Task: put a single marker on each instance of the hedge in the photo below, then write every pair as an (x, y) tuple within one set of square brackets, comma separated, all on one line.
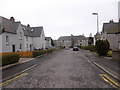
[(41, 52), (91, 48), (9, 59)]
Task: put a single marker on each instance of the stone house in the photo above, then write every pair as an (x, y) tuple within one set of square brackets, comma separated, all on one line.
[(17, 37), (68, 41)]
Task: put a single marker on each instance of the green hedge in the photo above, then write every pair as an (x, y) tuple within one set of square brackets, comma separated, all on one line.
[(91, 48), (41, 52), (9, 59), (102, 47)]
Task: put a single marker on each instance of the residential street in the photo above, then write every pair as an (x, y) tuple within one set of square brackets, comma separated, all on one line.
[(62, 69)]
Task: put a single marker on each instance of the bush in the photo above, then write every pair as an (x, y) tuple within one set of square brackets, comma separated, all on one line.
[(109, 54), (102, 47), (9, 59), (91, 48), (41, 52), (38, 53)]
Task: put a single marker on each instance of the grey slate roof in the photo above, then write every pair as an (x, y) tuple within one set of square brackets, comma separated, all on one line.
[(65, 38), (72, 37), (8, 25), (32, 31), (111, 28), (11, 27), (48, 38)]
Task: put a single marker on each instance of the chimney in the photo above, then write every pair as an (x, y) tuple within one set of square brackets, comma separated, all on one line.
[(111, 21), (12, 19), (28, 25)]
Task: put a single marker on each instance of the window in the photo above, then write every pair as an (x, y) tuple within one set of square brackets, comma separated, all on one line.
[(27, 46), (26, 38), (20, 36), (32, 30), (7, 39), (20, 47)]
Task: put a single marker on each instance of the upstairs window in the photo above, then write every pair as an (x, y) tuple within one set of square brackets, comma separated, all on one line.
[(26, 38), (7, 39), (20, 36)]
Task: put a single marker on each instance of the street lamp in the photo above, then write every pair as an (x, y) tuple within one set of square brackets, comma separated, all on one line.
[(97, 22)]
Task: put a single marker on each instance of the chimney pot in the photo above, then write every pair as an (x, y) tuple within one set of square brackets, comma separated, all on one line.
[(12, 19), (28, 25)]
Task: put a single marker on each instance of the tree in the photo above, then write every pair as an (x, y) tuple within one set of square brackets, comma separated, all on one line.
[(102, 47)]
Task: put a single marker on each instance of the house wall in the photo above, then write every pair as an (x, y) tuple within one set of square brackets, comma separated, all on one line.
[(113, 40), (84, 42), (1, 43), (42, 40), (28, 43), (39, 42), (48, 44), (14, 39)]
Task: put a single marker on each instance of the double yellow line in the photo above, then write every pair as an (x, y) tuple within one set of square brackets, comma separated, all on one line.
[(13, 79), (110, 81)]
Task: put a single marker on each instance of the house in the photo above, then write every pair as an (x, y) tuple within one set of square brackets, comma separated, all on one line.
[(68, 41), (111, 32), (48, 43), (11, 34), (17, 37), (34, 37)]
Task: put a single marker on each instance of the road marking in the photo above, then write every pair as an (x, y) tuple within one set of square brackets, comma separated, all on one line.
[(29, 68), (109, 80), (13, 79), (106, 70), (20, 72)]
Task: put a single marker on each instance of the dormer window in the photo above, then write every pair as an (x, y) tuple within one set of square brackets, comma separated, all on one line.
[(20, 36), (32, 30), (7, 39)]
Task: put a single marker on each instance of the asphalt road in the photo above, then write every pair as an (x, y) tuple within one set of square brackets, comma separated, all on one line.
[(63, 69)]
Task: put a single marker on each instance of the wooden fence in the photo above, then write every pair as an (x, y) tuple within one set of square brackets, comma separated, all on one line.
[(22, 54)]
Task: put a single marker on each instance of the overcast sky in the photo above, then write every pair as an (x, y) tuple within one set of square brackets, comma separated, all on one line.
[(61, 17)]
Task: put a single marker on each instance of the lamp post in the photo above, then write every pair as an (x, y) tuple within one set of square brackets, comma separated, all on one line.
[(97, 22)]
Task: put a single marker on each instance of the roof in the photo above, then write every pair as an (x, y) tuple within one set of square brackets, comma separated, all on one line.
[(80, 37), (8, 26), (32, 31), (111, 28), (48, 38), (65, 38)]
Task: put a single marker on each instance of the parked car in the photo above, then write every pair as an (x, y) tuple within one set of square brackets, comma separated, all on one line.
[(75, 49)]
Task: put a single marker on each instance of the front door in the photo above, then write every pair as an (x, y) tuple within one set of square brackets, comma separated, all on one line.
[(13, 48)]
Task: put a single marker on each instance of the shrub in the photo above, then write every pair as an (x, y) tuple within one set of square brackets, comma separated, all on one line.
[(38, 53), (109, 54), (41, 52), (91, 48), (102, 47), (9, 59)]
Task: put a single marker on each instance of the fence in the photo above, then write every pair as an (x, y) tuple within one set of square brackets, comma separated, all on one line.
[(21, 54)]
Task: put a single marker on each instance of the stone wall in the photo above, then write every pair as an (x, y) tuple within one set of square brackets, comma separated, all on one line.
[(116, 55)]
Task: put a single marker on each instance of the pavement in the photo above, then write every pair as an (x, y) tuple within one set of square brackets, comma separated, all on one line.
[(22, 60), (110, 66), (107, 64)]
